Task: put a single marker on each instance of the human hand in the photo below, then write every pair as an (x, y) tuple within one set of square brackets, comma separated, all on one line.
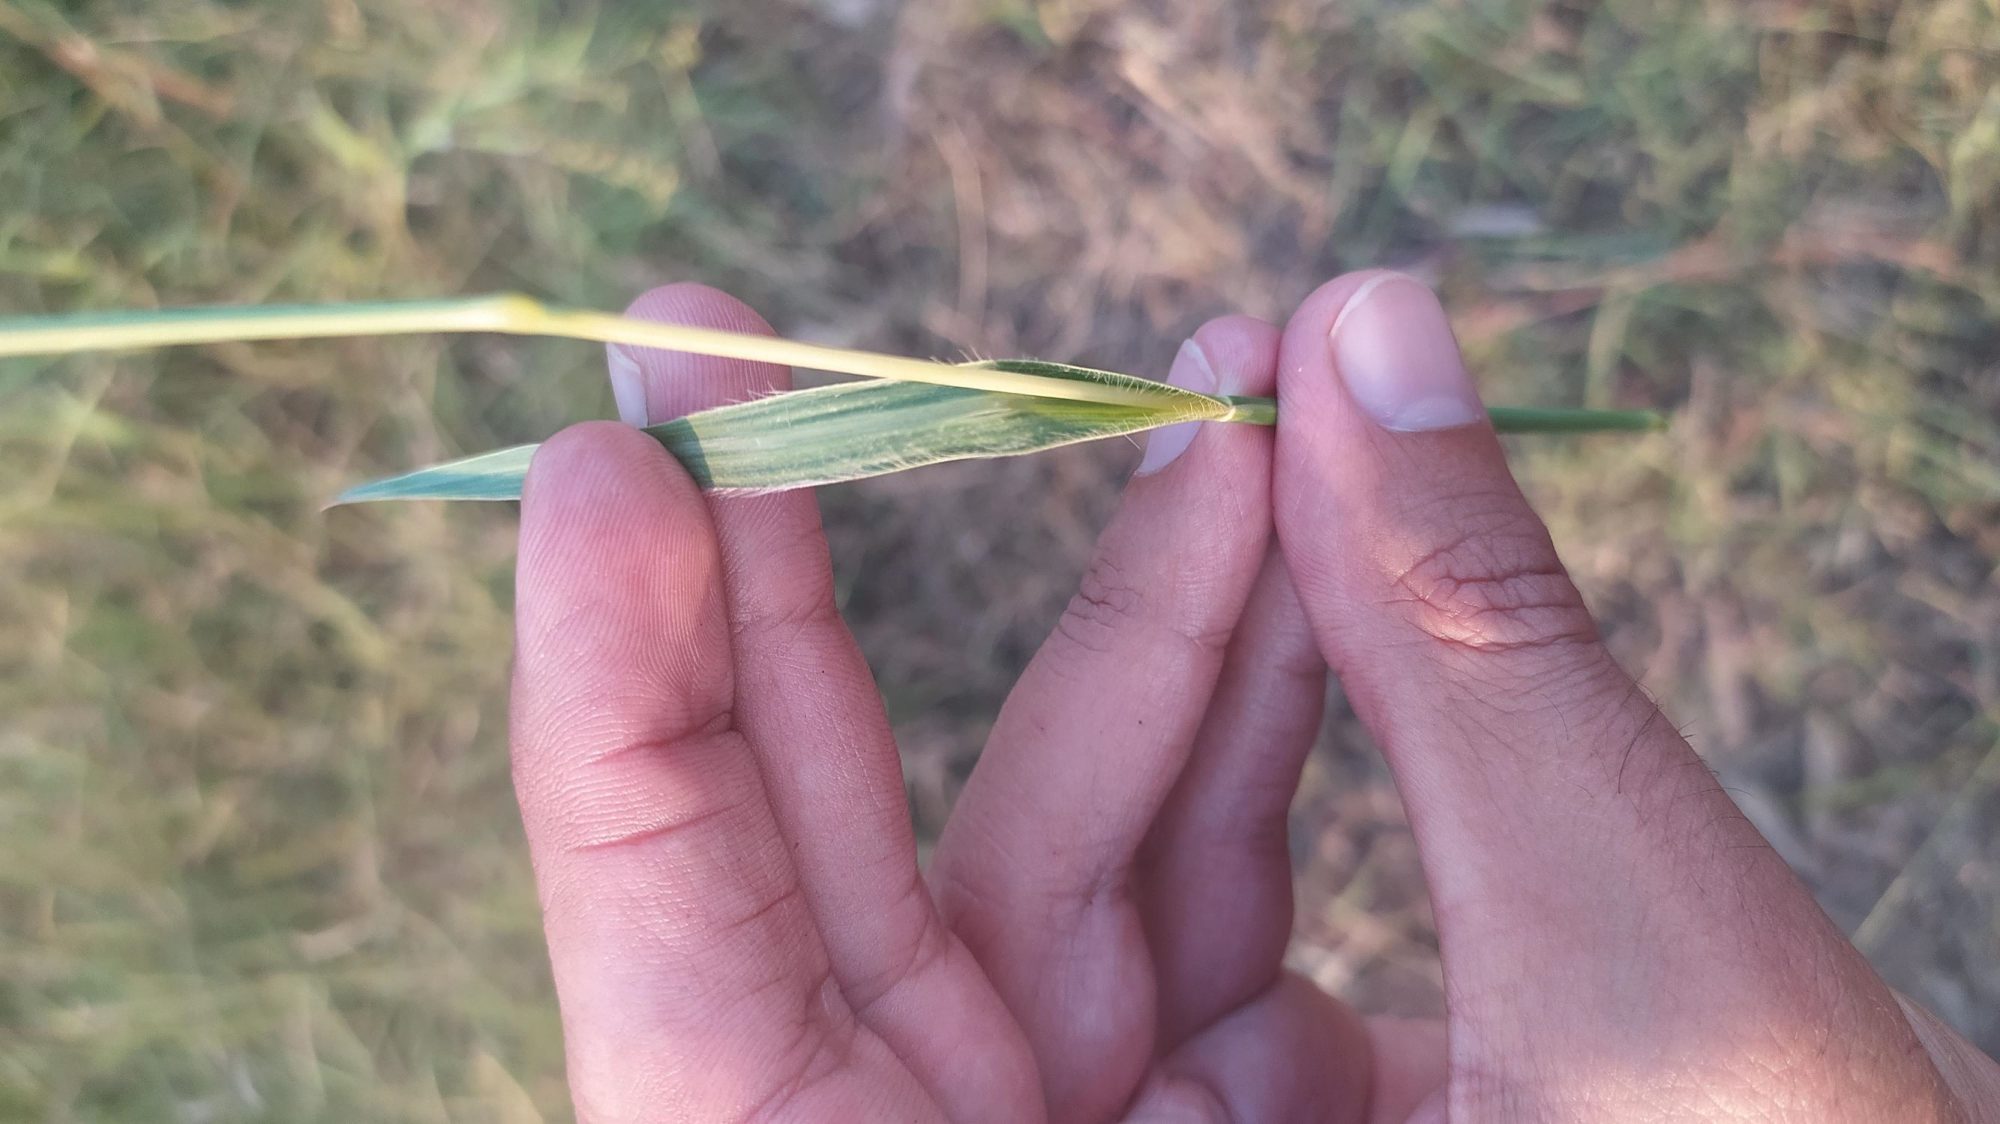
[(1619, 943), (735, 916)]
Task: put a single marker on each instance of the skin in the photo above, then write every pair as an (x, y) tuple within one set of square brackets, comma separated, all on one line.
[(740, 931)]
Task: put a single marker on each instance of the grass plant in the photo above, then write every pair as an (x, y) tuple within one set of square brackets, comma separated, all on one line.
[(917, 412)]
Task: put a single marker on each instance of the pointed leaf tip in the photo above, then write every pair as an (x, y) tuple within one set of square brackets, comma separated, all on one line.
[(488, 476)]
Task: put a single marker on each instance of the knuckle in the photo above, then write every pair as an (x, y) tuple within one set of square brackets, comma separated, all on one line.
[(1109, 608), (766, 901), (1495, 587), (784, 585), (821, 1046), (607, 799), (1105, 605), (788, 622), (929, 946)]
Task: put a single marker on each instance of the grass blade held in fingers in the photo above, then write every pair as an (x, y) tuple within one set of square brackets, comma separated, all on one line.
[(914, 412), (854, 430), (829, 434)]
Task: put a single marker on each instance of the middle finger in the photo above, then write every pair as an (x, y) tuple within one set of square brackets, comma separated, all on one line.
[(1033, 866), (1217, 880)]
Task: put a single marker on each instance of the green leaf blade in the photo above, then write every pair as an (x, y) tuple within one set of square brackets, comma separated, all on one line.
[(851, 431), (847, 431), (488, 476), (857, 430)]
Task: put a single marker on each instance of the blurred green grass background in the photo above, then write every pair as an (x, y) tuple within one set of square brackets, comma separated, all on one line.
[(261, 858)]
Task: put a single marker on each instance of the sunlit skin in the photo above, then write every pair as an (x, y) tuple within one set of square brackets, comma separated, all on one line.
[(740, 931)]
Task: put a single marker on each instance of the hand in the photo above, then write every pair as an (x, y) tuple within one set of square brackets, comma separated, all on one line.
[(735, 916)]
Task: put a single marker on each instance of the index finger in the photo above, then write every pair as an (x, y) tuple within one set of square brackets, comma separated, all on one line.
[(807, 703), (1035, 865), (691, 977)]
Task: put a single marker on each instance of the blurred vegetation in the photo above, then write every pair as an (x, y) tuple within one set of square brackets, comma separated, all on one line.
[(262, 856)]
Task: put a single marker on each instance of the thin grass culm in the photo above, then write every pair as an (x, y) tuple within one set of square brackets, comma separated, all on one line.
[(906, 414)]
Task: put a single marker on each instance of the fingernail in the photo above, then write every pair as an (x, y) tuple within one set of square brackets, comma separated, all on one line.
[(1394, 349), (628, 385), (1191, 371)]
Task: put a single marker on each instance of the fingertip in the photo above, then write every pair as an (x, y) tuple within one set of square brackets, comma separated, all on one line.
[(1305, 366), (1235, 355), (1244, 352), (1317, 313), (603, 506), (690, 302), (1375, 392), (595, 457), (652, 386)]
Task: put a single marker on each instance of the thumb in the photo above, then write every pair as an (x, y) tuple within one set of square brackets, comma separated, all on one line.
[(1603, 909), (1433, 588)]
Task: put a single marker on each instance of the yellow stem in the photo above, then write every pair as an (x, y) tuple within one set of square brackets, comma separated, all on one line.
[(606, 328), (523, 316)]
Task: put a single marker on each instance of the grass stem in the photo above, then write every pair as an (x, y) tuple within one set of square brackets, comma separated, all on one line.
[(513, 314)]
